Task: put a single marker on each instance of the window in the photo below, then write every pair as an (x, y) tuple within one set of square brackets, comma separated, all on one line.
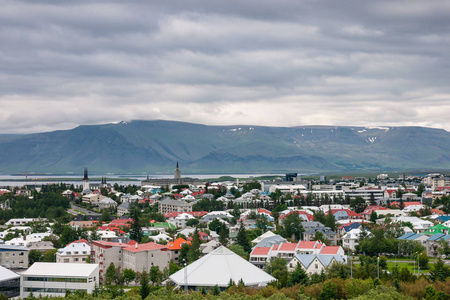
[(66, 260), (76, 259), (317, 266)]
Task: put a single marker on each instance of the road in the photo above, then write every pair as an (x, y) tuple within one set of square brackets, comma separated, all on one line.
[(76, 210)]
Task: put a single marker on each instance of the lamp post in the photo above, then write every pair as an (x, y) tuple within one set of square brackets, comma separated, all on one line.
[(185, 278), (414, 259), (378, 267)]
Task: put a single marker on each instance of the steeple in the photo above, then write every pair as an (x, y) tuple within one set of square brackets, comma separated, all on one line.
[(177, 173), (86, 180)]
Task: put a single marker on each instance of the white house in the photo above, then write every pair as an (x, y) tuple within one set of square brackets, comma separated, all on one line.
[(54, 279), (73, 253), (313, 263), (181, 220)]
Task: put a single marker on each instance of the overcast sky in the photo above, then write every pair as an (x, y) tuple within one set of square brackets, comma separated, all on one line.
[(275, 63)]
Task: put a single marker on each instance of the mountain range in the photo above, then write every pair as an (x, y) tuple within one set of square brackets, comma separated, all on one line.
[(156, 146)]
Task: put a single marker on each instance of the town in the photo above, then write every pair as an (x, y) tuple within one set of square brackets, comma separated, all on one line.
[(313, 238)]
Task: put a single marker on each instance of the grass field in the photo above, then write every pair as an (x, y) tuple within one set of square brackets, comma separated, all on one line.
[(409, 265)]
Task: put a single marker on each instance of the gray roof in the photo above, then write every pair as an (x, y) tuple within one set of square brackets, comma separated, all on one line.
[(272, 240), (12, 248), (324, 230), (125, 205), (312, 224), (168, 201), (307, 259)]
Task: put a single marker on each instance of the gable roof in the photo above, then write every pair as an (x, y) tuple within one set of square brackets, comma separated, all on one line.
[(218, 267)]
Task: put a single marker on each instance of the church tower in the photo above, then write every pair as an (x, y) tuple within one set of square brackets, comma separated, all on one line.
[(177, 173), (86, 180)]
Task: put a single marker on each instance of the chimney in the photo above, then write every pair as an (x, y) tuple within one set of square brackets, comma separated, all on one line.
[(136, 245)]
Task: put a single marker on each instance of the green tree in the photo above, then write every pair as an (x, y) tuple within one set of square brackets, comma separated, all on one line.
[(329, 291), (34, 256), (319, 216), (358, 204), (192, 222), (106, 216), (110, 274), (194, 252), (440, 272), (298, 276), (49, 255), (242, 239), (277, 268), (155, 275), (292, 227), (239, 250), (144, 290), (135, 229), (373, 216)]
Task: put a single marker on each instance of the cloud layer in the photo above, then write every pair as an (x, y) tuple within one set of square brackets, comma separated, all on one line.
[(277, 63)]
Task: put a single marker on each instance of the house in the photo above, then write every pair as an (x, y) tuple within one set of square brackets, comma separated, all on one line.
[(313, 263), (141, 257), (329, 234), (182, 219), (73, 253), (175, 247), (351, 239), (433, 243), (14, 257), (218, 268), (55, 279), (169, 205), (107, 203), (123, 209)]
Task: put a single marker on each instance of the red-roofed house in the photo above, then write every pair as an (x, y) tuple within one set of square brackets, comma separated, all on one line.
[(332, 250), (305, 216), (369, 209), (121, 222)]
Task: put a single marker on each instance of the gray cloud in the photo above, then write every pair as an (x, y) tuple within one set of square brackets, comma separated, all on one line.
[(278, 63)]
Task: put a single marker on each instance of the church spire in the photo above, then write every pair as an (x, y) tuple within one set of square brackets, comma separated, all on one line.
[(85, 174)]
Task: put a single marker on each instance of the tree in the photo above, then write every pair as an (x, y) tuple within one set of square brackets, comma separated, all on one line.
[(297, 276), (34, 256), (49, 255), (144, 291), (329, 291), (194, 252), (106, 216), (155, 275), (373, 216), (192, 222), (330, 220), (239, 250), (277, 268), (135, 230), (129, 275), (423, 260), (110, 274), (292, 227), (358, 204), (262, 223), (319, 216), (440, 272), (242, 239)]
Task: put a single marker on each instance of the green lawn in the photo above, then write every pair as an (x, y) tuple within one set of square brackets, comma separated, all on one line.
[(409, 265)]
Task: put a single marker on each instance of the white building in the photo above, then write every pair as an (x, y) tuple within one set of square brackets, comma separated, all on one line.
[(181, 220), (54, 279), (73, 253)]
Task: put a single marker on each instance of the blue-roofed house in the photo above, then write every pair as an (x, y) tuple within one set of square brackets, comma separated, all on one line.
[(433, 243), (314, 263), (443, 218)]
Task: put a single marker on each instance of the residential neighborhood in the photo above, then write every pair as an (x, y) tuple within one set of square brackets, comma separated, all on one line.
[(266, 232)]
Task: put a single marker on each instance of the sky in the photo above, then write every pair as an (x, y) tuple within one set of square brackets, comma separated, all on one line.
[(252, 62)]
